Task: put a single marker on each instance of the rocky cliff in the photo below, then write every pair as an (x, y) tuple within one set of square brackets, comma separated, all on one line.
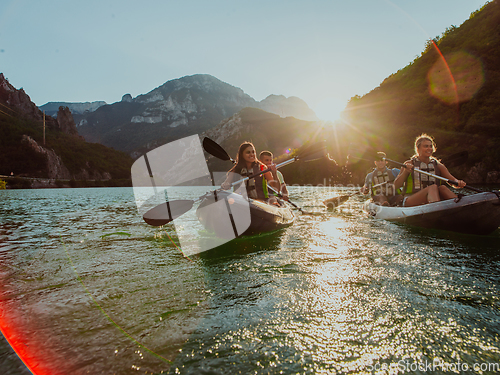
[(55, 153), (18, 100), (66, 123), (179, 108), (55, 167)]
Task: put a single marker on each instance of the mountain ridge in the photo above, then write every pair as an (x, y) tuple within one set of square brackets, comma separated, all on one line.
[(37, 146), (176, 109), (51, 108)]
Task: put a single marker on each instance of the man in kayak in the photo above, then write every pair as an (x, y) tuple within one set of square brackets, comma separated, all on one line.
[(419, 188), (380, 182), (267, 157)]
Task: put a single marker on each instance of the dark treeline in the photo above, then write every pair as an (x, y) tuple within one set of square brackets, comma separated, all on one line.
[(461, 110), (17, 156)]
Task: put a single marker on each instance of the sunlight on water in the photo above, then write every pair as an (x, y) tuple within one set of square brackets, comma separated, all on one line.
[(334, 293)]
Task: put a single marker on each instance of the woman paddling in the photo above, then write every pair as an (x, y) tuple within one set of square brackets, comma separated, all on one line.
[(247, 164), (419, 188)]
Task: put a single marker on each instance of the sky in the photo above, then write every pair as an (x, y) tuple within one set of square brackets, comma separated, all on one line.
[(322, 51)]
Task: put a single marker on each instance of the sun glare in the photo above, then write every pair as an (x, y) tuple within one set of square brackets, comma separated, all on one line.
[(330, 109)]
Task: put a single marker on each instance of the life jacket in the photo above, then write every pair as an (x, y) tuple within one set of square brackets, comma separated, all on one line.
[(379, 177), (254, 186), (418, 181), (266, 190)]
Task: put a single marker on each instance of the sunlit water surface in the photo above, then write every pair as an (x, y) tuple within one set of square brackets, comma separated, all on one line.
[(88, 287)]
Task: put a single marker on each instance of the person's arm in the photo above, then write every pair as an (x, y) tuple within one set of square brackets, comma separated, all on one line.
[(284, 190), (403, 174), (272, 178), (366, 187), (229, 180), (446, 174)]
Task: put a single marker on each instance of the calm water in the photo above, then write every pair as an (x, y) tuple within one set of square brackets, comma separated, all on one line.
[(87, 287)]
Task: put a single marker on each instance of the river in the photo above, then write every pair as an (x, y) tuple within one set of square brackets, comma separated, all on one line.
[(87, 287)]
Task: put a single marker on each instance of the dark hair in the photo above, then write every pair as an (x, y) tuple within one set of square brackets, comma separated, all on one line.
[(240, 161), (243, 147)]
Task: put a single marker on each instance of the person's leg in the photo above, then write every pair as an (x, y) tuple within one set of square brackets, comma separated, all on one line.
[(396, 200), (445, 193), (380, 199), (428, 195)]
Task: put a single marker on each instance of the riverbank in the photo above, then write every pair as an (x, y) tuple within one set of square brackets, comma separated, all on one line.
[(17, 182)]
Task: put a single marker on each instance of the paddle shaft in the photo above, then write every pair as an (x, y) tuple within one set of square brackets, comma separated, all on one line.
[(451, 182), (281, 196), (216, 150), (289, 161)]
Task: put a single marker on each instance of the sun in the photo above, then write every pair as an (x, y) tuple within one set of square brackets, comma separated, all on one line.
[(330, 108)]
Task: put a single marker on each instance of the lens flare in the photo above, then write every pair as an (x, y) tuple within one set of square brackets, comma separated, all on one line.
[(455, 77)]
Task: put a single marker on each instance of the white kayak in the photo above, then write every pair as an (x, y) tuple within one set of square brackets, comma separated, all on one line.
[(473, 214)]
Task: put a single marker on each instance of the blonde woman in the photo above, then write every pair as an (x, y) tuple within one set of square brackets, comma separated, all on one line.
[(419, 188)]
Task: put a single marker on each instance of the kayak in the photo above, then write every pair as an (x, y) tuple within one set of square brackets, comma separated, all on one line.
[(230, 215), (472, 214)]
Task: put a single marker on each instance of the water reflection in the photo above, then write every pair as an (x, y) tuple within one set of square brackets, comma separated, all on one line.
[(333, 293)]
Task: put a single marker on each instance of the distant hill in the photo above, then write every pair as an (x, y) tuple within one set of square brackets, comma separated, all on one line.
[(461, 110), (64, 156), (51, 108), (178, 108), (287, 107), (268, 131)]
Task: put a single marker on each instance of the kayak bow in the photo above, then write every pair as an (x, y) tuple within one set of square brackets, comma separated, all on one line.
[(472, 214)]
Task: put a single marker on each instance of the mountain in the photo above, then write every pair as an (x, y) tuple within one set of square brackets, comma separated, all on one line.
[(287, 107), (51, 108), (461, 110), (57, 152), (179, 108), (281, 136)]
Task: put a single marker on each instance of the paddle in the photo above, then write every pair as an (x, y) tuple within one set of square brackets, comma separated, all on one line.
[(169, 211), (313, 152), (451, 182), (453, 160), (216, 150), (337, 201)]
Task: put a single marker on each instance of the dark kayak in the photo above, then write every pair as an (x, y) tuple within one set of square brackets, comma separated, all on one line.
[(473, 214), (230, 215)]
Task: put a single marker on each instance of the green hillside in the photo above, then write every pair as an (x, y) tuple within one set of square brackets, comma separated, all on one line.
[(281, 136), (19, 158), (450, 91)]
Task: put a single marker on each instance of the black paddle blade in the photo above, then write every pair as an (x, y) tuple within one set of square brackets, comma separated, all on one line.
[(334, 202), (215, 149), (166, 212), (313, 152)]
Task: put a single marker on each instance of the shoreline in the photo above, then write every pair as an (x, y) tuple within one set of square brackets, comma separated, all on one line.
[(18, 182)]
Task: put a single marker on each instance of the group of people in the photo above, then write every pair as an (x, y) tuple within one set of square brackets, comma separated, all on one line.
[(265, 186), (388, 187), (407, 187)]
